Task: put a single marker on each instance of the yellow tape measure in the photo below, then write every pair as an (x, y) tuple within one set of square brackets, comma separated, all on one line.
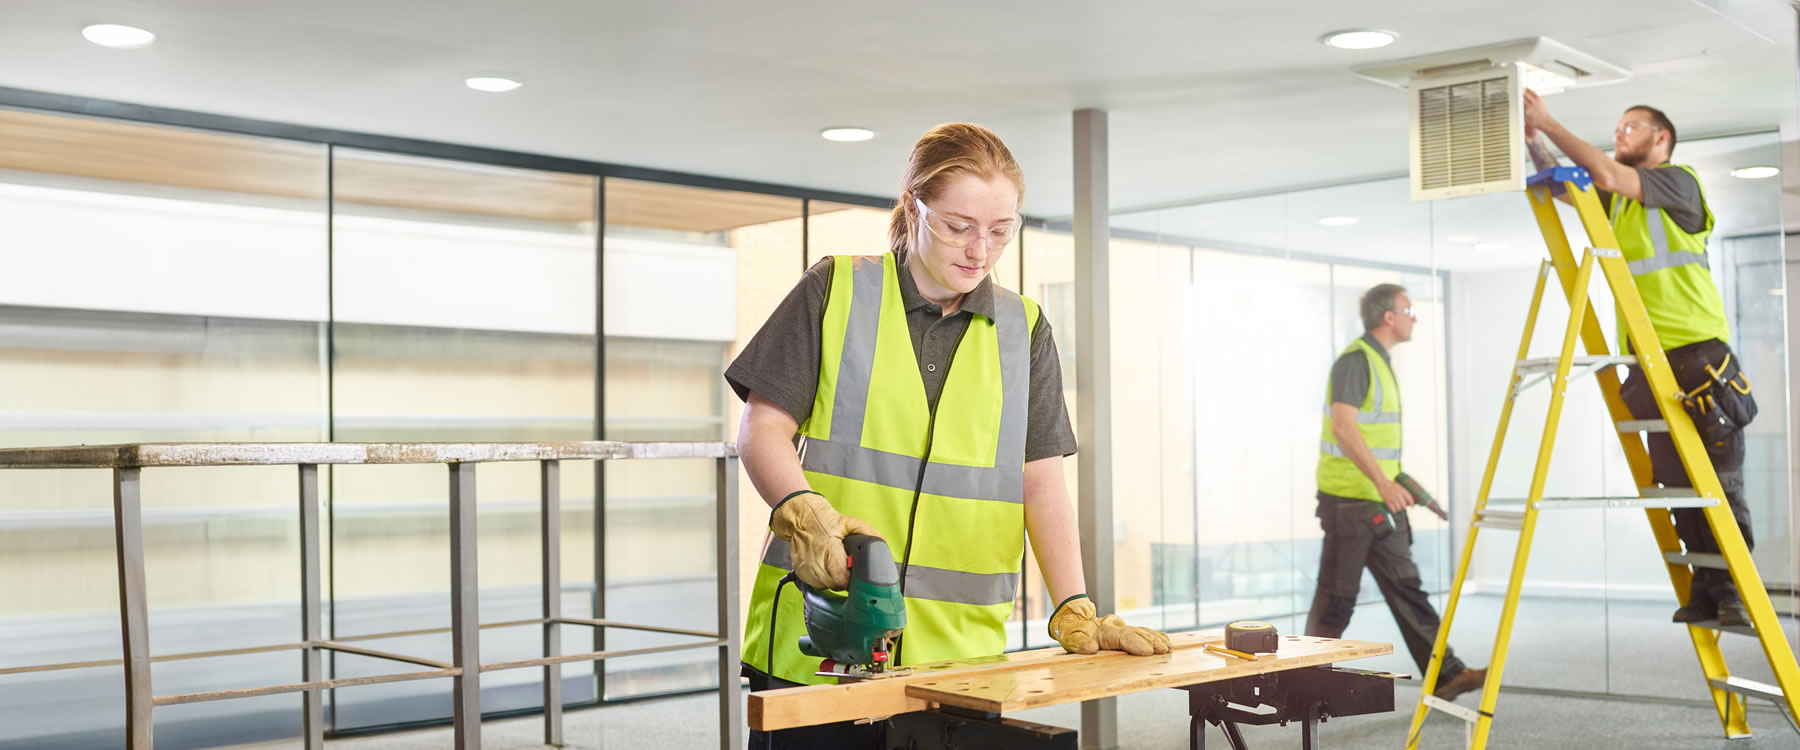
[(1252, 637)]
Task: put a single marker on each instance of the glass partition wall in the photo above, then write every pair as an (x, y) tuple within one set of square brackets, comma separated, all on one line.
[(1230, 314), (171, 284)]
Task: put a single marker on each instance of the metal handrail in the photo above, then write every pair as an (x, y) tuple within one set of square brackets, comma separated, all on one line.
[(127, 462)]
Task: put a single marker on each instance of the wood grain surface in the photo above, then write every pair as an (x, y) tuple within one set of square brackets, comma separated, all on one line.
[(1007, 682)]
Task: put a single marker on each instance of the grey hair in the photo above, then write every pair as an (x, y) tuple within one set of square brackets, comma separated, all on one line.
[(1377, 303)]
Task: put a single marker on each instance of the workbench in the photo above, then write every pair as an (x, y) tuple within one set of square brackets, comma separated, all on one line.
[(964, 703)]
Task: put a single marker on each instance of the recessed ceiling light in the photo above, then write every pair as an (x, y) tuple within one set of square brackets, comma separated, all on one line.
[(494, 84), (1755, 173), (847, 135), (1482, 247), (1359, 38), (1463, 239), (1338, 221), (118, 37)]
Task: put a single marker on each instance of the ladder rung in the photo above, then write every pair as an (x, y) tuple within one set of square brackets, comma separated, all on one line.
[(1499, 523), (1751, 688), (1665, 491), (1592, 362), (1687, 500), (1501, 513), (1697, 559), (1714, 625), (1644, 425), (1461, 712)]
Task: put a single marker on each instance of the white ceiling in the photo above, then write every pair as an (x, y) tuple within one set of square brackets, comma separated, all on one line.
[(1206, 99), (1394, 230)]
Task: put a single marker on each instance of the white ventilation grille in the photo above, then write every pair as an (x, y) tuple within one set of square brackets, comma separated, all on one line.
[(1466, 134)]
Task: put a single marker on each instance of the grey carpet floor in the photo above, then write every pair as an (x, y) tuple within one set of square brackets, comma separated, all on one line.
[(1558, 644)]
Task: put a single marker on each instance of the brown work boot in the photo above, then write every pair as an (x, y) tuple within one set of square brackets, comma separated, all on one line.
[(1463, 682), (1733, 615)]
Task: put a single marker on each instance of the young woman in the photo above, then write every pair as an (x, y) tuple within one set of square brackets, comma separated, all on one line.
[(930, 403)]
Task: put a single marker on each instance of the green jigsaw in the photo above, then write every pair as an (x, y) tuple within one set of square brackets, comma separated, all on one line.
[(855, 631)]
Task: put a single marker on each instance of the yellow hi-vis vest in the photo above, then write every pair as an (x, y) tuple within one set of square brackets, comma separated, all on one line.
[(1379, 422), (1669, 267), (865, 442)]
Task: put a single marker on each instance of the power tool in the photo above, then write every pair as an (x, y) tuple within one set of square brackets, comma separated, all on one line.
[(1420, 496), (855, 631)]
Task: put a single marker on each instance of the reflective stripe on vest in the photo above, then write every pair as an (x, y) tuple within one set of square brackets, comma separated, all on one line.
[(1373, 415), (1661, 256), (1381, 454), (844, 455)]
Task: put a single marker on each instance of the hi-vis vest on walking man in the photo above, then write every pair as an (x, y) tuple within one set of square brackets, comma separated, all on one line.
[(1378, 419), (869, 429), (1669, 267)]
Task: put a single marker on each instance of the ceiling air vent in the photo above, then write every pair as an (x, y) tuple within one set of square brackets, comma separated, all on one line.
[(1467, 134), (1467, 128)]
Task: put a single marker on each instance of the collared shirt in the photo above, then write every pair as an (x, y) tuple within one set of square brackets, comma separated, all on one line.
[(1350, 374), (781, 362)]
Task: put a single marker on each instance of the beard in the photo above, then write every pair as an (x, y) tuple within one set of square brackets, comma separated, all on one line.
[(1629, 158)]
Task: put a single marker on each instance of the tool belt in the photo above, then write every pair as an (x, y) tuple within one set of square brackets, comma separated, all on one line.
[(1721, 403)]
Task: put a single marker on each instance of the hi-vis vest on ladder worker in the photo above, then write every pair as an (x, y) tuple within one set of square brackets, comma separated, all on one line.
[(1379, 422), (1668, 265), (870, 429)]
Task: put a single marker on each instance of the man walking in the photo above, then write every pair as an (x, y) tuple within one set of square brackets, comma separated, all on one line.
[(1361, 508)]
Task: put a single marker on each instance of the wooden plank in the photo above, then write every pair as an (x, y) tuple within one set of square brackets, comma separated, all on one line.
[(821, 704), (1076, 679)]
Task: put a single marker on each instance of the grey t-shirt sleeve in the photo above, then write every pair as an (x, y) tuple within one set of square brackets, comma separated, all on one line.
[(1047, 429), (781, 362), (1350, 379), (1677, 193)]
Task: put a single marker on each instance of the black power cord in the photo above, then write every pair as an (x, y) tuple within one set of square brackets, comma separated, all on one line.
[(774, 610)]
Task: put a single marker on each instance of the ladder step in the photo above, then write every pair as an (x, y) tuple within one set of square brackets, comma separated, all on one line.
[(1751, 688), (1588, 362), (1512, 519), (1697, 559), (1665, 491), (1644, 425), (1714, 625), (1461, 712), (1686, 500)]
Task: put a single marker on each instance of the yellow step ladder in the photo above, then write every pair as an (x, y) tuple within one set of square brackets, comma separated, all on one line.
[(1728, 692)]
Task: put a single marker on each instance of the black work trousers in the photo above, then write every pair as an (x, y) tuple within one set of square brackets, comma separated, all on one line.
[(1689, 364), (839, 736), (1353, 542)]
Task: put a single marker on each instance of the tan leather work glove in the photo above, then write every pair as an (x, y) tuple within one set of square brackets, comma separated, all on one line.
[(815, 534), (1073, 625)]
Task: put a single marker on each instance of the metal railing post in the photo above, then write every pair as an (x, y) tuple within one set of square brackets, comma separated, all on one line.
[(550, 522), (731, 707), (465, 603), (134, 607), (312, 621)]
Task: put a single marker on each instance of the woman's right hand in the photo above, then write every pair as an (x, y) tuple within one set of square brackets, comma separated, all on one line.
[(815, 534)]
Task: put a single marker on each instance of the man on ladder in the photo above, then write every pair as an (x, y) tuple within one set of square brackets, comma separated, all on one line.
[(1659, 214), (1361, 507)]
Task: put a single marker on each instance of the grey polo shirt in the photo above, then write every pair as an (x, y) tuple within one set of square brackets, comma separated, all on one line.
[(1674, 191), (1350, 374), (781, 362)]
